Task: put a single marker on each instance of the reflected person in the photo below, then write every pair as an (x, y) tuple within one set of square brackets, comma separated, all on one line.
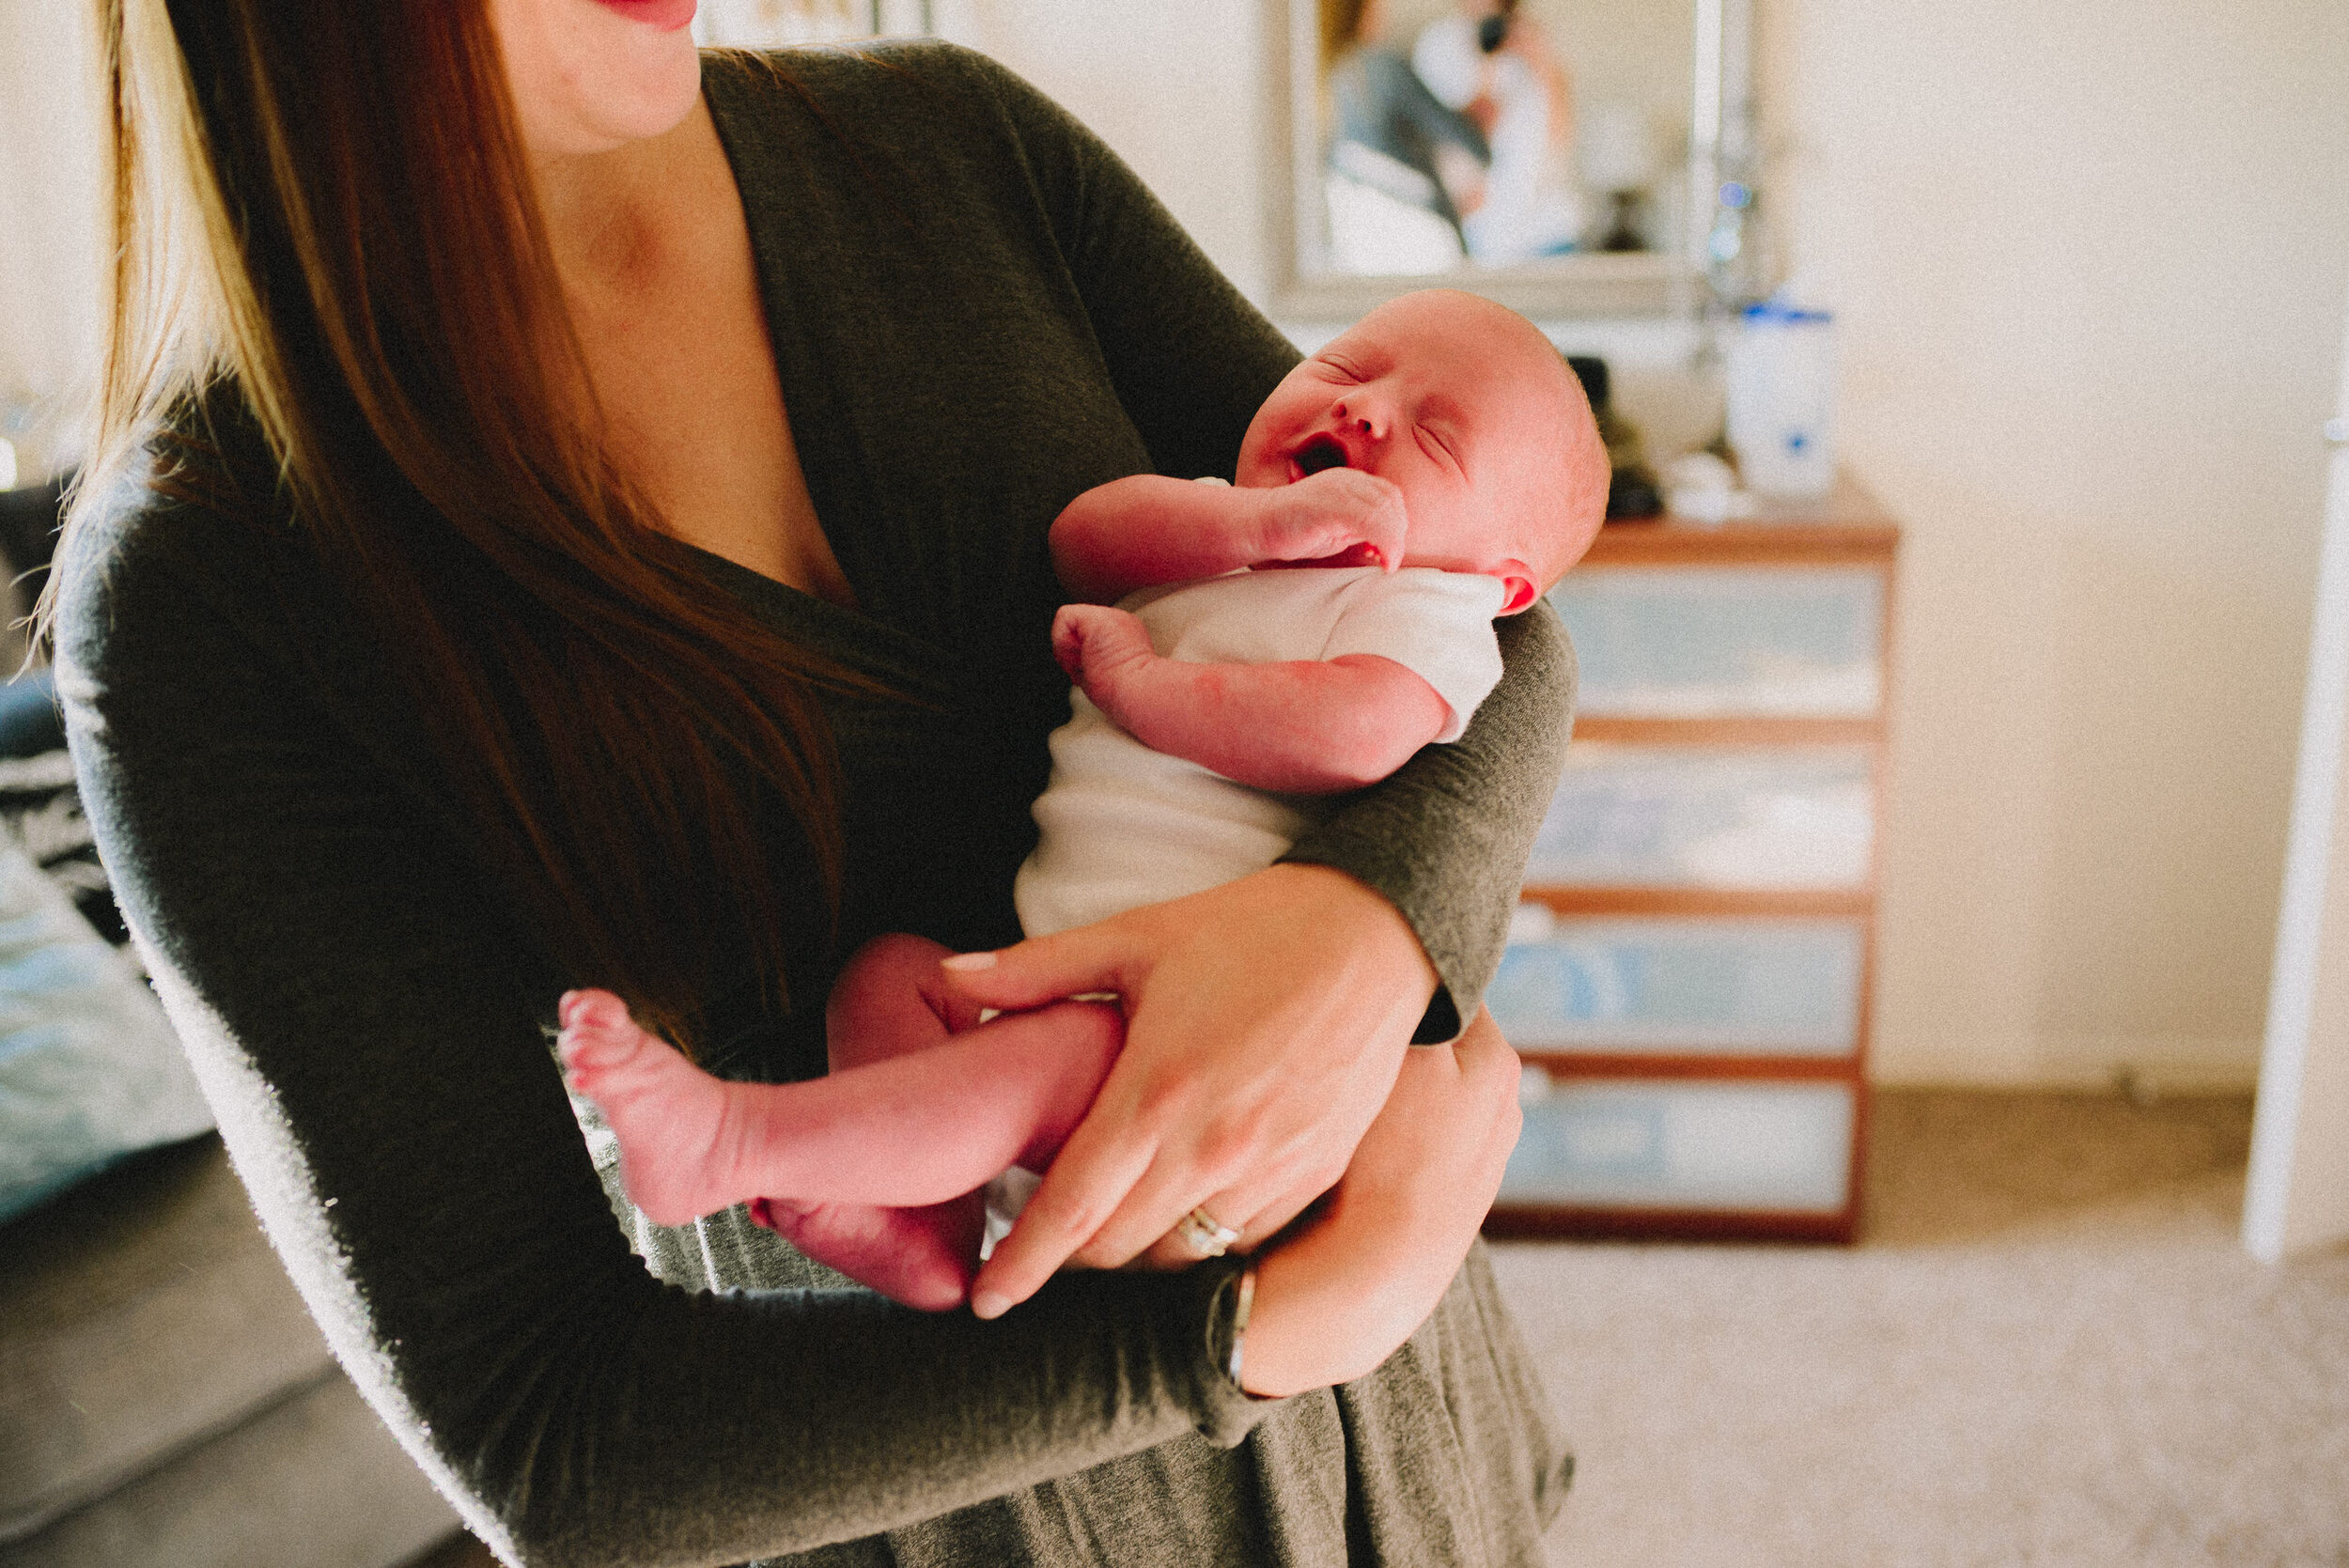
[(1397, 156), (1492, 63)]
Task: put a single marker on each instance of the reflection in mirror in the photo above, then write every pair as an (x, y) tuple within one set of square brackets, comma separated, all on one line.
[(1566, 157), (1498, 132)]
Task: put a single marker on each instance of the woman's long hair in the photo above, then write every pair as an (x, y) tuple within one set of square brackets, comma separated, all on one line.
[(323, 211), (1341, 29)]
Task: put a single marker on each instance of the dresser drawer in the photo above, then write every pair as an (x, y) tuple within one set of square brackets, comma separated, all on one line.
[(1723, 641), (1626, 1144), (1709, 818), (1726, 987)]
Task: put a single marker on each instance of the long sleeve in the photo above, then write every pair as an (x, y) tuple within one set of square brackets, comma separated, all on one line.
[(1445, 838), (366, 1016)]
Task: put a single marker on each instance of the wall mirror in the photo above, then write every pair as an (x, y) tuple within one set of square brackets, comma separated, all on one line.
[(1569, 158)]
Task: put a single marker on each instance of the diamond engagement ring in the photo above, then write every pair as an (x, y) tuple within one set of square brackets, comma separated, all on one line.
[(1204, 1234)]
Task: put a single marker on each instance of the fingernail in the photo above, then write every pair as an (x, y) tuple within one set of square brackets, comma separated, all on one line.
[(986, 1304), (966, 962)]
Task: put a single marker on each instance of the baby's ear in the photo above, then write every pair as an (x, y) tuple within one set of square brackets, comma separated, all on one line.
[(1517, 578)]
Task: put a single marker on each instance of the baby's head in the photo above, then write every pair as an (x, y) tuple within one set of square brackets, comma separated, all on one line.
[(1466, 406)]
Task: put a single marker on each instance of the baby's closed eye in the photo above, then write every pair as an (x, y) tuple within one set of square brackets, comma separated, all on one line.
[(1440, 445)]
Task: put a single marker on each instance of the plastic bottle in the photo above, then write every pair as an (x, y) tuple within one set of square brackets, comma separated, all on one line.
[(1781, 400)]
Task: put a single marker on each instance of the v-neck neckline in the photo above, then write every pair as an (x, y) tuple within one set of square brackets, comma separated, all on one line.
[(802, 414)]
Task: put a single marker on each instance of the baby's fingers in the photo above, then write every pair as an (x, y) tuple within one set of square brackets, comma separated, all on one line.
[(1096, 644), (1385, 523)]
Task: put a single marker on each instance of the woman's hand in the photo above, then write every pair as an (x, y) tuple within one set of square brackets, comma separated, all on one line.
[(1267, 1019), (1337, 1297)]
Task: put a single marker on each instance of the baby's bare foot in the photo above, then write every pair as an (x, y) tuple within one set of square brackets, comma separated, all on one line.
[(924, 1257), (669, 1116)]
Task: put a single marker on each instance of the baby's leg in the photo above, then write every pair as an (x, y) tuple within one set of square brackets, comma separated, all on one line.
[(924, 1257), (907, 1131), (891, 998)]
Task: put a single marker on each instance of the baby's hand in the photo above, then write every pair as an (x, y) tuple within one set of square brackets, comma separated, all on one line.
[(1092, 639), (1339, 517), (1098, 648)]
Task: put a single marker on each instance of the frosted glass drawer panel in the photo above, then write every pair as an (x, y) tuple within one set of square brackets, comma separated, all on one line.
[(1777, 1147), (1664, 817), (1753, 987), (1710, 643)]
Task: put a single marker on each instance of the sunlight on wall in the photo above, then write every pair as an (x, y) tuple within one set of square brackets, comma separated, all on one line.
[(1177, 89), (51, 261)]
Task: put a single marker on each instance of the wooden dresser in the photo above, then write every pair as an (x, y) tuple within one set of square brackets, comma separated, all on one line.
[(1688, 976)]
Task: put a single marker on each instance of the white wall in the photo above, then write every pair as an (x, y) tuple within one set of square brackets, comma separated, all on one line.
[(2090, 261), (1174, 86), (51, 172)]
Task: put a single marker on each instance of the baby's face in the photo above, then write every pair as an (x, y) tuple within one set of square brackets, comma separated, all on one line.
[(1472, 413)]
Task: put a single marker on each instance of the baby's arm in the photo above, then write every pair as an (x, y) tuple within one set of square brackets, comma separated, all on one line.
[(1296, 726), (1147, 529)]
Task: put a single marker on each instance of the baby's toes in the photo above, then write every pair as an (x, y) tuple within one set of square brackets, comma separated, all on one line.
[(599, 1038), (588, 1057)]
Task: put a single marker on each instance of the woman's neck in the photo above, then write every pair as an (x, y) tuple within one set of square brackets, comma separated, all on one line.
[(606, 213)]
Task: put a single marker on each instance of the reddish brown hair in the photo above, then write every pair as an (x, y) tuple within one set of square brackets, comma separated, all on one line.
[(1341, 25), (324, 210)]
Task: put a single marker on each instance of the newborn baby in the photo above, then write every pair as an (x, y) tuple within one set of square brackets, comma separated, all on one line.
[(1274, 643)]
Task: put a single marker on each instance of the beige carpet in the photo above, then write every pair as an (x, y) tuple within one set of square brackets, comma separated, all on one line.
[(2049, 1350)]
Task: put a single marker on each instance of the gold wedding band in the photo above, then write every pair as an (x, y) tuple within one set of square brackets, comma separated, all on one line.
[(1204, 1234)]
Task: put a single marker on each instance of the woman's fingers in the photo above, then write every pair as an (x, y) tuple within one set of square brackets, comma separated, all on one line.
[(1087, 960), (1266, 1019), (1484, 1054), (1173, 1186), (1257, 1220), (1441, 1097), (1086, 1181)]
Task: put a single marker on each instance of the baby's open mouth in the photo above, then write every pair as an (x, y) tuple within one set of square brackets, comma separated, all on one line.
[(1318, 454)]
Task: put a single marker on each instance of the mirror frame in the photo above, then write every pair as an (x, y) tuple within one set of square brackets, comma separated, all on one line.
[(1648, 284)]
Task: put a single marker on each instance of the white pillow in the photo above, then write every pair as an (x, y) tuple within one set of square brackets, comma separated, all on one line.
[(89, 1070)]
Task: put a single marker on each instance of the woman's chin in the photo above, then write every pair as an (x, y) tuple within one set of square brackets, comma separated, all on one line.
[(589, 78)]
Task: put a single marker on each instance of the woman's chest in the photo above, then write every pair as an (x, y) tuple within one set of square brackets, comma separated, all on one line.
[(692, 410)]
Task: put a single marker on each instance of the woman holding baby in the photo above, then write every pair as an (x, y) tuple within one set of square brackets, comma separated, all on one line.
[(573, 512)]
